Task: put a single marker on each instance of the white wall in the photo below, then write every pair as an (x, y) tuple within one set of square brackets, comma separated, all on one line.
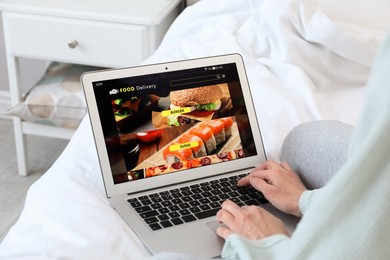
[(31, 69), (368, 13)]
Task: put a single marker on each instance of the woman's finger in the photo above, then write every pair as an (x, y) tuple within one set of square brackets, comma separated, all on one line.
[(224, 232), (261, 166), (228, 214), (271, 165), (260, 184), (286, 166), (244, 181), (230, 207)]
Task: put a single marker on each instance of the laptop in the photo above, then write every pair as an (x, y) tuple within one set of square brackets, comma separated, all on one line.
[(172, 141)]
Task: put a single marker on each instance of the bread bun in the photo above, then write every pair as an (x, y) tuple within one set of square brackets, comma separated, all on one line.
[(196, 96)]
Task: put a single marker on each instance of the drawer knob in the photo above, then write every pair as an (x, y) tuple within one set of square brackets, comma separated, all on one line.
[(73, 44)]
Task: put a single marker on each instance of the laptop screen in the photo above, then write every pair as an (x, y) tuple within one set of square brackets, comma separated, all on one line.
[(173, 121)]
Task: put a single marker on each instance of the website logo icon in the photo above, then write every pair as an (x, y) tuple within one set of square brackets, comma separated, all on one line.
[(114, 91)]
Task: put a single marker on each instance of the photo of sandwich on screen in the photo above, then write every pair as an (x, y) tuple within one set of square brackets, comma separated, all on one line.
[(173, 124), (197, 104)]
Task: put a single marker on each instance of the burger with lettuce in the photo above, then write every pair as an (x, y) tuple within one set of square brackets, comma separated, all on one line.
[(200, 104)]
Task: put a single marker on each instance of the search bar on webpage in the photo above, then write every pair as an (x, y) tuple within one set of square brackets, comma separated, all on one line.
[(201, 79)]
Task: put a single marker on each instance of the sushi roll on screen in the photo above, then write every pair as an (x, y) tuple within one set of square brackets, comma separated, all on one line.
[(180, 155), (199, 150), (206, 134), (218, 128), (228, 123)]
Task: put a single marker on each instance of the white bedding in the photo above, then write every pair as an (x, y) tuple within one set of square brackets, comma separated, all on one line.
[(301, 64)]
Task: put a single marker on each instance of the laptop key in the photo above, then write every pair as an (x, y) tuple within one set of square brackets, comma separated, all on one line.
[(204, 207), (149, 214), (184, 205), (235, 200), (243, 191), (146, 202), (234, 187), (196, 196), (184, 212), (215, 205), (176, 201), (224, 184), (206, 194), (206, 188), (166, 203), (177, 221), (173, 208), (224, 196), (215, 186), (214, 198), (214, 181), (166, 224), (135, 204), (188, 218), (143, 209), (173, 214), (186, 192), (155, 226), (163, 210), (196, 190), (204, 201), (143, 197), (156, 199), (156, 206), (176, 195), (187, 199), (166, 197), (245, 197), (163, 217), (206, 214), (194, 203), (132, 200), (151, 220), (194, 210)]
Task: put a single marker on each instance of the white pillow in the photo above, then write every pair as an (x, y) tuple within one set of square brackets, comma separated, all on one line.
[(57, 98)]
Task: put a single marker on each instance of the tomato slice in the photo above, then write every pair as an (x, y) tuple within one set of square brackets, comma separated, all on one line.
[(201, 113), (149, 136)]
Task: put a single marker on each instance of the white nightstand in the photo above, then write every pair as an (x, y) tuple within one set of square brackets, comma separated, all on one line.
[(116, 33)]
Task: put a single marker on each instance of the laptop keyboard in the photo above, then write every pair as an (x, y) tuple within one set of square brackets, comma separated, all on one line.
[(177, 206)]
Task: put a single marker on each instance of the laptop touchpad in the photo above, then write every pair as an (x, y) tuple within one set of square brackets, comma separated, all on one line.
[(214, 225)]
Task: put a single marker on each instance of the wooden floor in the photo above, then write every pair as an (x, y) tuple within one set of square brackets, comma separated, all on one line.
[(13, 187)]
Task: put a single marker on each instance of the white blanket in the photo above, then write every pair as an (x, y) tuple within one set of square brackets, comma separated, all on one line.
[(301, 64)]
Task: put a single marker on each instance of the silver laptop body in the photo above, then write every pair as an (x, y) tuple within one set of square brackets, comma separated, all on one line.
[(149, 143)]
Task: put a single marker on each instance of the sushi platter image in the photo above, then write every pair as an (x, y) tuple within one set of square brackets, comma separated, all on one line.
[(203, 144)]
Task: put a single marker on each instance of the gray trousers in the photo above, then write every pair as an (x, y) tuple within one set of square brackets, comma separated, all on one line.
[(316, 150)]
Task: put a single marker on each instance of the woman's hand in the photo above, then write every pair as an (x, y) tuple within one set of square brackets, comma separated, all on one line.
[(280, 185), (251, 222)]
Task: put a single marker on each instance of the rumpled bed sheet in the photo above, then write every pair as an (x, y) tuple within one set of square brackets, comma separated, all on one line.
[(301, 66)]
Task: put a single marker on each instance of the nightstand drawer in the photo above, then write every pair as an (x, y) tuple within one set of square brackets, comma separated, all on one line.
[(75, 40)]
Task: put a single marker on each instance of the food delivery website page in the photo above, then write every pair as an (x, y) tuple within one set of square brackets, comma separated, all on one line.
[(173, 121)]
